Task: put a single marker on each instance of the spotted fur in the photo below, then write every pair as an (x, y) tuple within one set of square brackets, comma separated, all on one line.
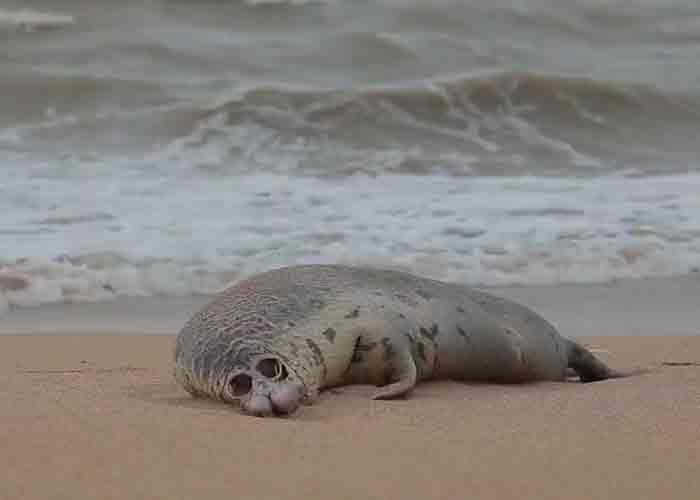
[(337, 325)]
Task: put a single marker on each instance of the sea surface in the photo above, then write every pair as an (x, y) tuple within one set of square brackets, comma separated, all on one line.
[(167, 147)]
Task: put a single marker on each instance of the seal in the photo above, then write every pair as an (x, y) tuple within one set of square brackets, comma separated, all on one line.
[(271, 342)]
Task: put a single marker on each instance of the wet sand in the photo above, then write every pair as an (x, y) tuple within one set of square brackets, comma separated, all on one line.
[(87, 411)]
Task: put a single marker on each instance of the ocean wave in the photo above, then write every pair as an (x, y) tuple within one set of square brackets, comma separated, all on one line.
[(66, 280), (451, 100), (490, 123), (480, 92), (497, 123)]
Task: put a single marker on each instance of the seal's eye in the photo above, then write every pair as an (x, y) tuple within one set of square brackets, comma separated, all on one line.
[(272, 368), (241, 384)]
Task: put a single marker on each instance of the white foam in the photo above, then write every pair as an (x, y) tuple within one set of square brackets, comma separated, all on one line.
[(32, 20), (169, 229), (107, 276)]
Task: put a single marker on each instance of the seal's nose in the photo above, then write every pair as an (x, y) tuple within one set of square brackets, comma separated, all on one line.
[(286, 398)]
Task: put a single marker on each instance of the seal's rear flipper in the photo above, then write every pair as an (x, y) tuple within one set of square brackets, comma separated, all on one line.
[(591, 369)]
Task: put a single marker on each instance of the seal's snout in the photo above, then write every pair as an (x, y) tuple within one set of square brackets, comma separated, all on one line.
[(282, 400), (287, 398), (258, 406), (269, 389)]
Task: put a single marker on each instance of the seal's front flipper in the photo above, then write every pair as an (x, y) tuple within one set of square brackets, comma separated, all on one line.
[(401, 374)]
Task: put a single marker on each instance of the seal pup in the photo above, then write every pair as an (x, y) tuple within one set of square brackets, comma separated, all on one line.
[(274, 340)]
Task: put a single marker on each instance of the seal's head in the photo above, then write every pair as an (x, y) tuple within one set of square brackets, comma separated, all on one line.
[(263, 385)]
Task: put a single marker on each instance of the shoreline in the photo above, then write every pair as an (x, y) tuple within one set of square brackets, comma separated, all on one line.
[(634, 307)]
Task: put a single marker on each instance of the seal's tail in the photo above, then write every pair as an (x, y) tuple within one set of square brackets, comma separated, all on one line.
[(591, 369)]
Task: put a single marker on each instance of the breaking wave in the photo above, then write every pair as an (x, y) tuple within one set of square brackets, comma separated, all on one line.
[(479, 124)]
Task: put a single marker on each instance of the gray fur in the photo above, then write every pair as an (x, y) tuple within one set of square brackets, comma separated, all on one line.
[(324, 324)]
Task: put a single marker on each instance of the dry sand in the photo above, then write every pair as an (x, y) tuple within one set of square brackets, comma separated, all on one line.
[(95, 414)]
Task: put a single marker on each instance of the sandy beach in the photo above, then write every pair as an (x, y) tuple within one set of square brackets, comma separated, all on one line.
[(89, 410)]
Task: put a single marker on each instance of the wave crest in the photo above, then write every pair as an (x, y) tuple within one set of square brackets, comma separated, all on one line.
[(494, 123)]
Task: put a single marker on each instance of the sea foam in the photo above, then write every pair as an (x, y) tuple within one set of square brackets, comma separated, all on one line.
[(191, 234)]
